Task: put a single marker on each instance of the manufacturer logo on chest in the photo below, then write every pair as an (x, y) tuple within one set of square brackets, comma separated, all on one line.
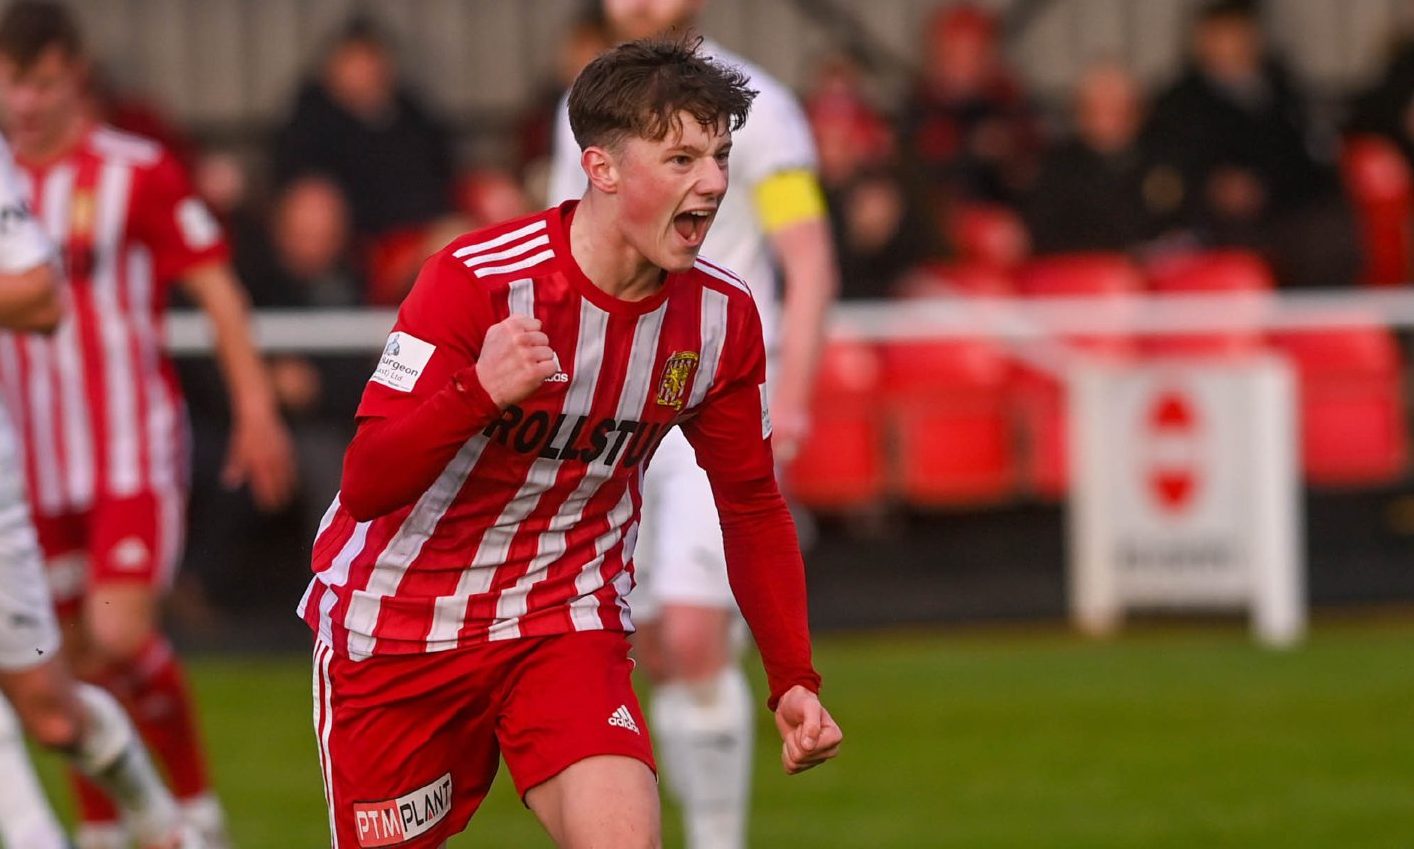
[(677, 374)]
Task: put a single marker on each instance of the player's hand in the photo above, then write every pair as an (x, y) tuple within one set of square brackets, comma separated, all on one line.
[(261, 456), (516, 358), (809, 736)]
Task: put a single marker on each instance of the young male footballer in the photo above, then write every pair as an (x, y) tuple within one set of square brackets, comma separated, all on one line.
[(469, 597)]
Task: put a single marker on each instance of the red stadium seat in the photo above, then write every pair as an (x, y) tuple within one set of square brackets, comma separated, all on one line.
[(1212, 272), (948, 406), (1353, 427), (1037, 394), (840, 467), (989, 234), (1378, 180)]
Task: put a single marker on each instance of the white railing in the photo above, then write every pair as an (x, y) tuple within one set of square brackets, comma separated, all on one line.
[(1012, 319)]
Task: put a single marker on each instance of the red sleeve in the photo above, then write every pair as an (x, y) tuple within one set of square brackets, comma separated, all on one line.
[(173, 222), (424, 400), (731, 435)]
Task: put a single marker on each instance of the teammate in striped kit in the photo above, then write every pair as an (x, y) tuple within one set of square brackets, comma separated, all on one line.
[(469, 596), (79, 721), (772, 228), (97, 405)]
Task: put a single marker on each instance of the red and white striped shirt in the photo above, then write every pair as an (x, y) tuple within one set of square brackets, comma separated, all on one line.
[(97, 404), (459, 523)]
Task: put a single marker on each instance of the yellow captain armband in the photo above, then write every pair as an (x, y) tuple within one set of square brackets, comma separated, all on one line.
[(788, 197)]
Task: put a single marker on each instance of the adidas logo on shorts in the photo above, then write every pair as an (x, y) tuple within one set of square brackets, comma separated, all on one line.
[(621, 718)]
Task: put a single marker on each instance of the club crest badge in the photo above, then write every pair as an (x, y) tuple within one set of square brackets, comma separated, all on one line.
[(677, 373)]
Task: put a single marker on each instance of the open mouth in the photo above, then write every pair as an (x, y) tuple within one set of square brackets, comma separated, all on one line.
[(692, 226)]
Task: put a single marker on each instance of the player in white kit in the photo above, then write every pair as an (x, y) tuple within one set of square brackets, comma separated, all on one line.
[(80, 721), (773, 230)]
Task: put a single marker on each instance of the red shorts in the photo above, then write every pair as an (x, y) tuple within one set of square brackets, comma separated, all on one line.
[(136, 538), (409, 744)]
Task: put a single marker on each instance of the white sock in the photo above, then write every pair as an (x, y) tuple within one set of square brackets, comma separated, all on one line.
[(110, 754), (26, 820), (704, 732), (203, 815), (101, 836)]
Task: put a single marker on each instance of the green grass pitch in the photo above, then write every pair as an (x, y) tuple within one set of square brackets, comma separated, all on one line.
[(1174, 737)]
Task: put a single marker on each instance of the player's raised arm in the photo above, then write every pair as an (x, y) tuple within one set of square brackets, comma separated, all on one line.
[(731, 435)]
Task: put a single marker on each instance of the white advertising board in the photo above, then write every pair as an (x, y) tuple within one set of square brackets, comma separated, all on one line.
[(1185, 493)]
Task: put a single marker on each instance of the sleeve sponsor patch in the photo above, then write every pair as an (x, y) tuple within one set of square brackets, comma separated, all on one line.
[(404, 358), (197, 225), (765, 414)]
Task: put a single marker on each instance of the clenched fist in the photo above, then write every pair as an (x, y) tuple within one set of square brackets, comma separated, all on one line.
[(515, 359), (809, 735)]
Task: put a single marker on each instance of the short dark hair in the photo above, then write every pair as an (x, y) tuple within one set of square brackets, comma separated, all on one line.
[(641, 87), (30, 27)]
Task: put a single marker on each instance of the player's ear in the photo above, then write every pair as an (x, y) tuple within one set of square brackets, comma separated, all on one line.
[(601, 168)]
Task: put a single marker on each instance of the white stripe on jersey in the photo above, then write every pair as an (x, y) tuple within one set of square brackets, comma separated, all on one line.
[(328, 518), (714, 336), (508, 253), (78, 441), (41, 401), (623, 585), (163, 422), (124, 474), (721, 274), (58, 194), (503, 239), (533, 261), (579, 399), (337, 575)]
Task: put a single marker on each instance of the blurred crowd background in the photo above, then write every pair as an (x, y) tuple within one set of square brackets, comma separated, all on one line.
[(1007, 148)]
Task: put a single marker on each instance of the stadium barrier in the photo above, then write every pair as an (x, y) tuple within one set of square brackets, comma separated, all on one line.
[(943, 369)]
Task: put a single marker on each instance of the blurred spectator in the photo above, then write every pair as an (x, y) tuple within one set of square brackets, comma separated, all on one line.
[(224, 183), (880, 230), (487, 196), (1238, 129), (1387, 107), (588, 37), (1101, 189), (969, 126), (308, 263), (850, 132), (357, 125)]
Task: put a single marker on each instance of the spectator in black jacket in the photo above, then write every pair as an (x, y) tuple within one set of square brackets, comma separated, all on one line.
[(969, 127), (1102, 189), (1255, 171), (356, 125)]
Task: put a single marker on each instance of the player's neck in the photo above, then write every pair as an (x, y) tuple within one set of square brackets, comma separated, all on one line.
[(42, 151), (606, 258)]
